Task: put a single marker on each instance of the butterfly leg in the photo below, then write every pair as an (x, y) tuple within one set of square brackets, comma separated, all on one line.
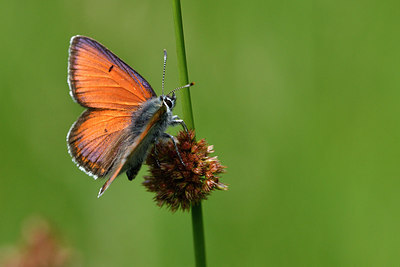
[(166, 135), (176, 120), (156, 154)]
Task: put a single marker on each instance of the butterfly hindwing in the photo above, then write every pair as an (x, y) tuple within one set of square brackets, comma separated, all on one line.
[(98, 138)]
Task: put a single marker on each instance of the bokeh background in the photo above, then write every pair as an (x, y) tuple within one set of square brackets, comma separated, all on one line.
[(299, 98)]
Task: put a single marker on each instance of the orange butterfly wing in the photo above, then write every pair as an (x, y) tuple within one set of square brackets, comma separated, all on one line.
[(97, 139), (99, 79), (112, 91)]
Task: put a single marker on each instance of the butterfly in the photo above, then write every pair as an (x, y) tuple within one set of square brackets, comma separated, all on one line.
[(124, 117)]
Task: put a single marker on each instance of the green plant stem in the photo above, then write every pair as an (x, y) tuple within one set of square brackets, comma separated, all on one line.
[(182, 66), (197, 214), (198, 235)]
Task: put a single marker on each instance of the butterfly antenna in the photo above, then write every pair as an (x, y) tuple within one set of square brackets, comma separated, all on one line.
[(179, 88), (163, 73)]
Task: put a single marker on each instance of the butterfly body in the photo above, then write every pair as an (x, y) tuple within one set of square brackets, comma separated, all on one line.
[(160, 117), (124, 116)]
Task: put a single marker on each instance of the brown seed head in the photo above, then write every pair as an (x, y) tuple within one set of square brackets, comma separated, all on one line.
[(177, 185)]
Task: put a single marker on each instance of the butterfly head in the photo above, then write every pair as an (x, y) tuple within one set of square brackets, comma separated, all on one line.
[(169, 101), (170, 98)]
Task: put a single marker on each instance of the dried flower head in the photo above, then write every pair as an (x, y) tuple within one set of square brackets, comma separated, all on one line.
[(40, 247), (177, 185)]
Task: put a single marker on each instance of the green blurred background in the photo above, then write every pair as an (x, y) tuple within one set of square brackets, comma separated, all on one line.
[(299, 98)]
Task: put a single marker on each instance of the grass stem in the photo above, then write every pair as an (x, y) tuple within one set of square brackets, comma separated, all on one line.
[(197, 214)]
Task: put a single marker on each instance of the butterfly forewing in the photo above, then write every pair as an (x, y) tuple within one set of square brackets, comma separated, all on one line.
[(99, 79)]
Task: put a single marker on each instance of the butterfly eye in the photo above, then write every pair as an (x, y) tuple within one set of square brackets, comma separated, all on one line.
[(168, 102)]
